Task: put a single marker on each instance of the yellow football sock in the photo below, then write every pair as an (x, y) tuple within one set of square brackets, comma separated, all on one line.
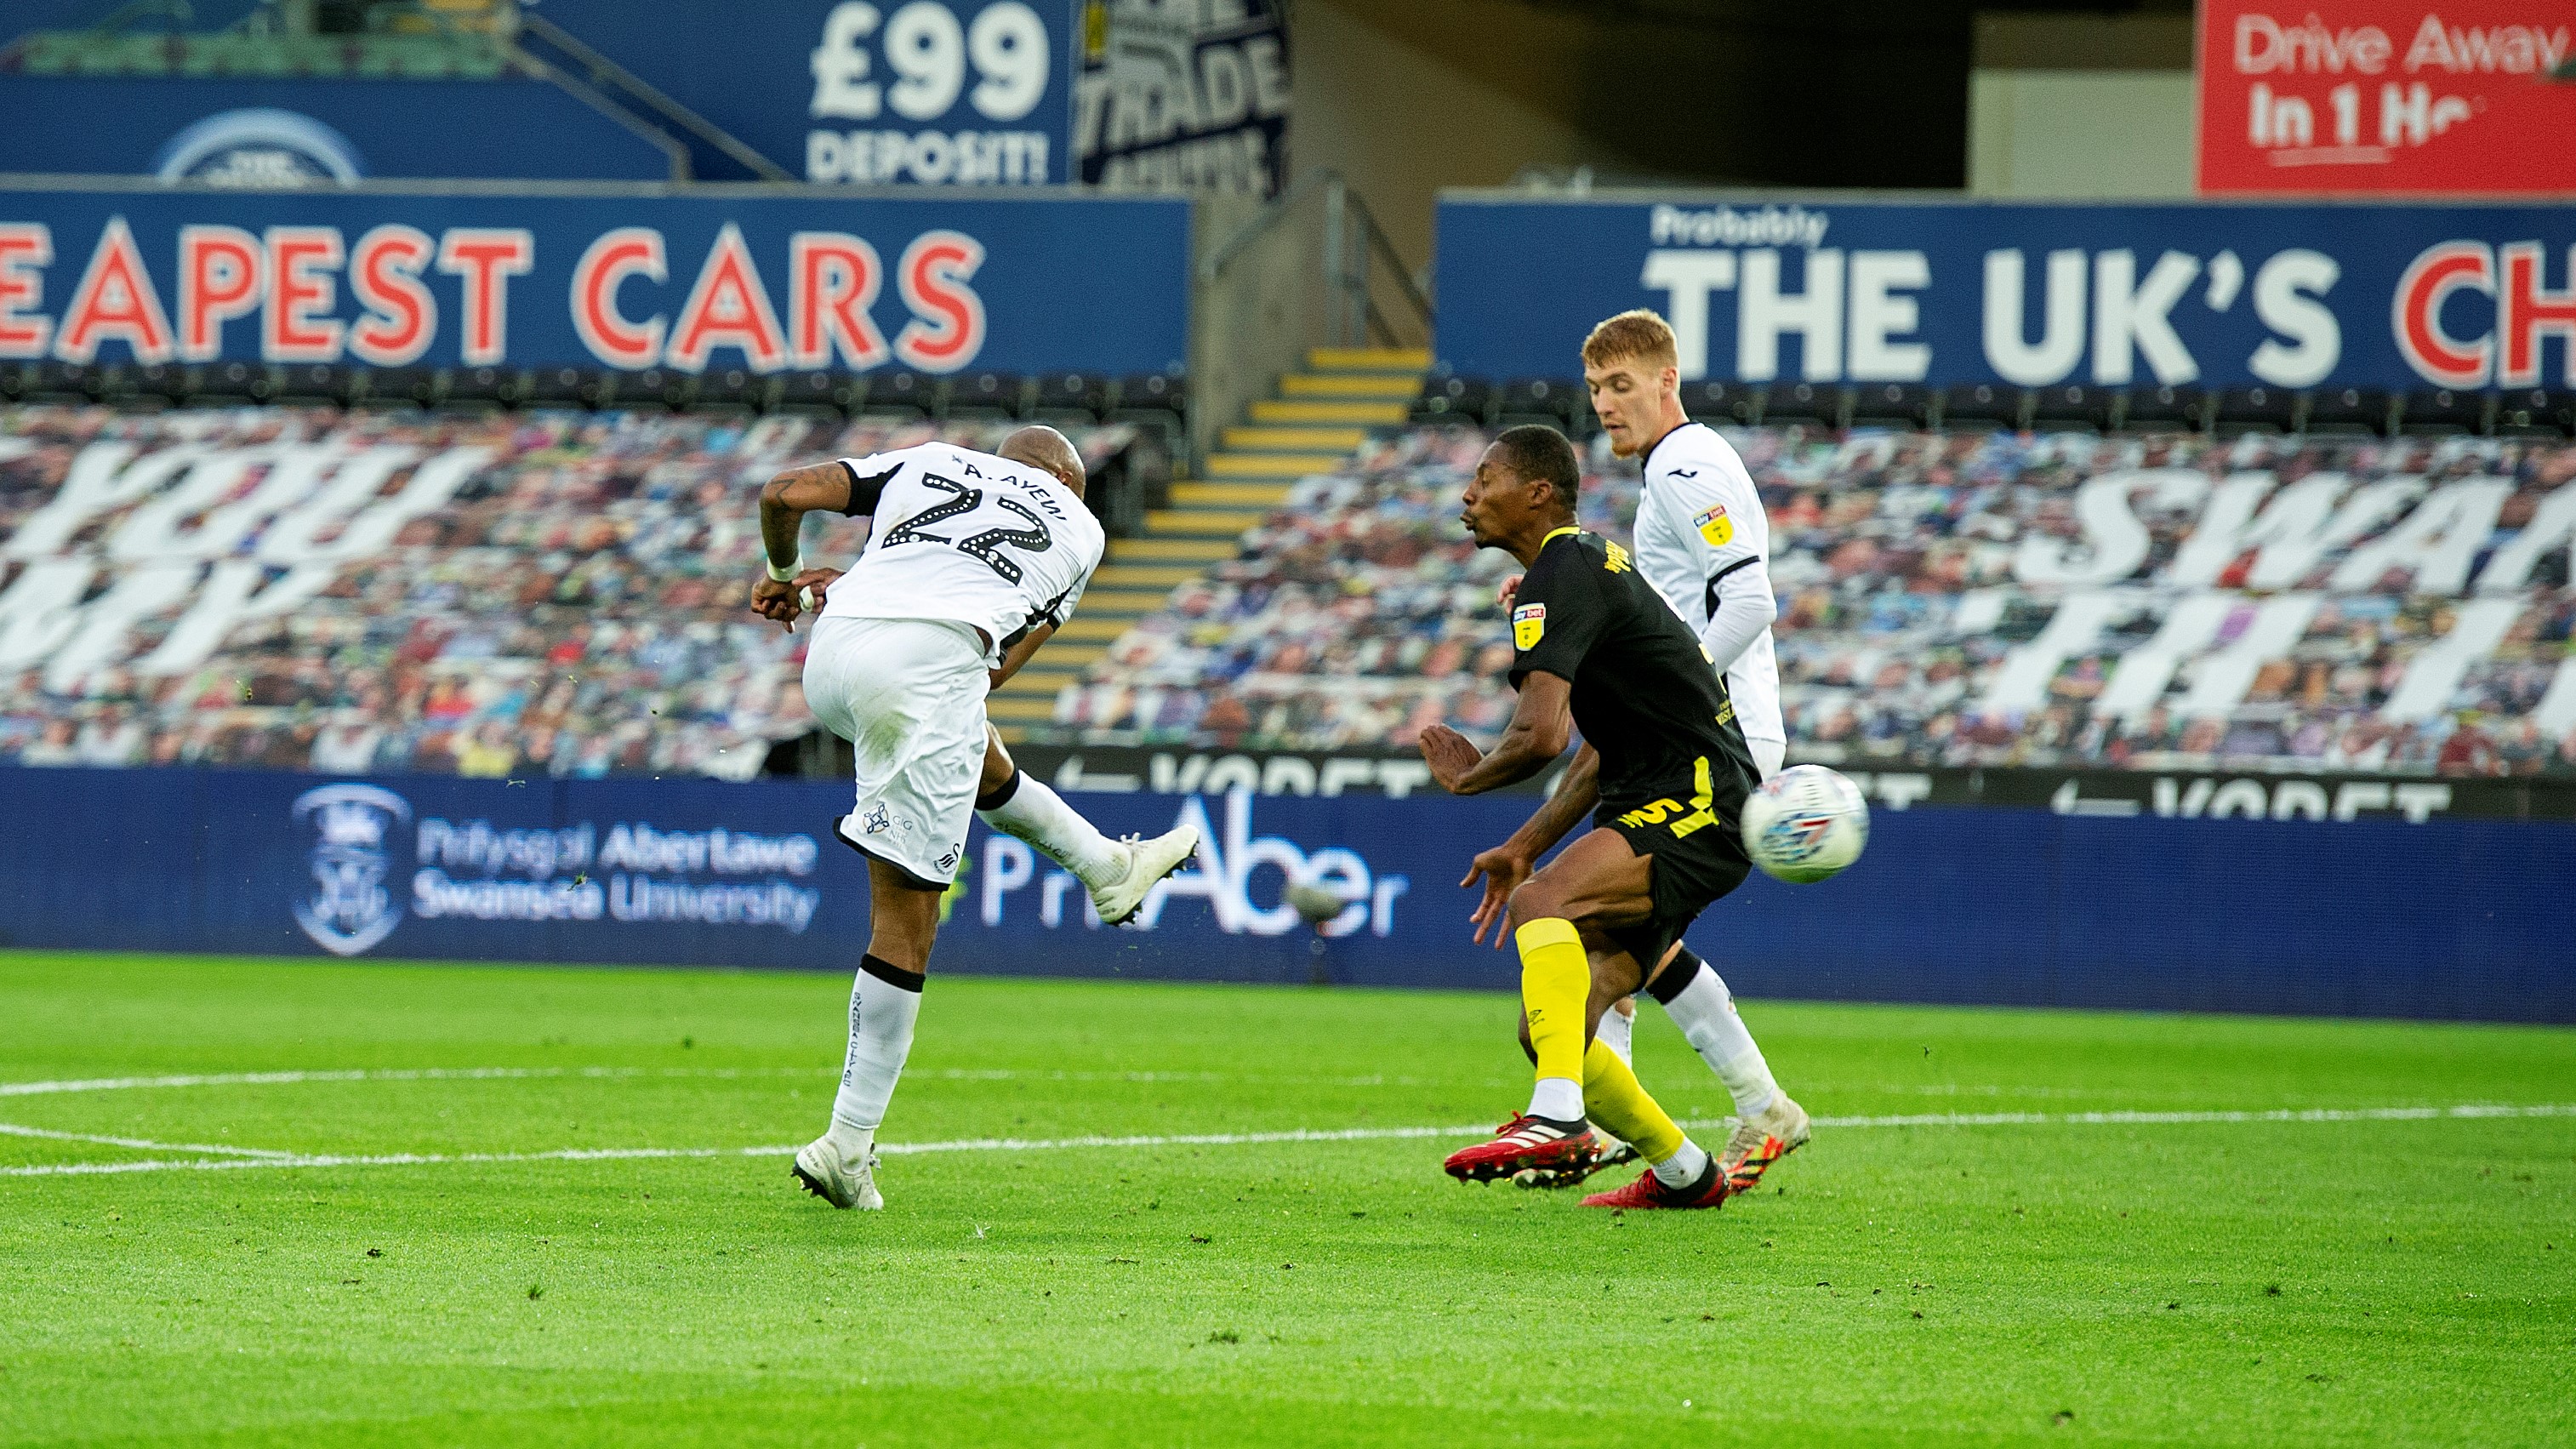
[(1555, 980), (1613, 1097)]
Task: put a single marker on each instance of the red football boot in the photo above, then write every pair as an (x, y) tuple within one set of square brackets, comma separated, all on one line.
[(1522, 1143), (1648, 1191)]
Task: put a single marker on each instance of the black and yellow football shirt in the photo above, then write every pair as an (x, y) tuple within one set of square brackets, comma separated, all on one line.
[(1643, 692)]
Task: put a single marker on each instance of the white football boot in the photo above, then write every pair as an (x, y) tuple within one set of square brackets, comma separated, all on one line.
[(1148, 861), (835, 1179), (1761, 1140)]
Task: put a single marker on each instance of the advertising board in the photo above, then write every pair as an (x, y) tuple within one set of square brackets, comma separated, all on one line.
[(743, 278), (936, 93), (2218, 911), (2020, 294), (2401, 97)]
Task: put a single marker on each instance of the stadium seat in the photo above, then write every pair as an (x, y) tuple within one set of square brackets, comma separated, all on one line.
[(2071, 406), (2533, 413), (1073, 397), (1540, 400), (2166, 408), (1453, 399), (313, 384), (1808, 404), (1891, 405), (652, 387), (230, 384), (397, 387), (2238, 410), (898, 393), (987, 395), (1159, 400), (736, 390), (2443, 410), (1981, 405), (2350, 410), (567, 387), (818, 394), (61, 382), (151, 386), (481, 389), (1721, 402)]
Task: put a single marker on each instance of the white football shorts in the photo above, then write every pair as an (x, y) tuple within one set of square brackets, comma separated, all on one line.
[(908, 694)]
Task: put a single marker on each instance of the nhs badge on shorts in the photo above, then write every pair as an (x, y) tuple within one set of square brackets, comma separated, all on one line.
[(1529, 625), (1716, 527)]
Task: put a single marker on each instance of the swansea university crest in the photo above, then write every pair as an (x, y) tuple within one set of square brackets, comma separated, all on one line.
[(349, 907)]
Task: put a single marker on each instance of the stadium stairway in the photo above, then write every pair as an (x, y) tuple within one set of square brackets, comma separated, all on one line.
[(1316, 421)]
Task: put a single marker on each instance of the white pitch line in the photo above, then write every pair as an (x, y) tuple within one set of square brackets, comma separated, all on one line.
[(468, 1074), (1240, 1139), (12, 1129)]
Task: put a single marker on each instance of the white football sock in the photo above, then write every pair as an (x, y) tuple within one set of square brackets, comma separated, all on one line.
[(1560, 1098), (1039, 816), (1684, 1166), (885, 1001), (1706, 1014), (1617, 1031)]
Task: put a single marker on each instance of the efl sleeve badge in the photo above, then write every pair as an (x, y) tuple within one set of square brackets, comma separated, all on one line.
[(1716, 527), (1529, 625)]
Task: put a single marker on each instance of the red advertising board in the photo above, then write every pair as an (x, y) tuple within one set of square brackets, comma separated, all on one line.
[(2424, 97)]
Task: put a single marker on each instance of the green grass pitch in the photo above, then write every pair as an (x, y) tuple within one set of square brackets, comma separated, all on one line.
[(1995, 1268)]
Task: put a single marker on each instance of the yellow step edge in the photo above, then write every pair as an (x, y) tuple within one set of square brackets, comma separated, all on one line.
[(1374, 359), (1273, 465), (1221, 495), (1227, 522), (1122, 603), (1037, 681), (1291, 439), (1171, 550), (1313, 411), (1035, 709), (1349, 385), (1138, 576), (1102, 630)]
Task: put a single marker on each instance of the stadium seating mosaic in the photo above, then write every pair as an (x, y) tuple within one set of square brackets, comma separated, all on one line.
[(2293, 603), (557, 593), (510, 594)]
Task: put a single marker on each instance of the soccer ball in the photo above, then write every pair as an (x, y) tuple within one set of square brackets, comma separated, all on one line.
[(1805, 824)]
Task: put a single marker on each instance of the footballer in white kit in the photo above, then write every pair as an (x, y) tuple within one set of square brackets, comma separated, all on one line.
[(972, 561), (1702, 541)]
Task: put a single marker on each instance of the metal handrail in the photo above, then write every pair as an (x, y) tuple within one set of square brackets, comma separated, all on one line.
[(604, 69), (1355, 315)]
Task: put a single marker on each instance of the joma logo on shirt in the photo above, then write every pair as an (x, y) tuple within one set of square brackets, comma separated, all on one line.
[(1715, 526)]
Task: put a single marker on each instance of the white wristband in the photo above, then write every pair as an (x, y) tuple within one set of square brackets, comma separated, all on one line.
[(779, 575)]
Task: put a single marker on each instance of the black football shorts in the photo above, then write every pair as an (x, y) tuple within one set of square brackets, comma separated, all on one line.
[(1698, 856)]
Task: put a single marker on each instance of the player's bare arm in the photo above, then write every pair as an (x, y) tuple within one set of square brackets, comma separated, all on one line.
[(1020, 653), (1507, 865), (1540, 729), (784, 502)]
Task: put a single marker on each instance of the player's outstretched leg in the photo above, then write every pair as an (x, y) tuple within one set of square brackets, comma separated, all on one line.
[(1769, 1126), (1117, 873), (885, 1001), (1682, 1174)]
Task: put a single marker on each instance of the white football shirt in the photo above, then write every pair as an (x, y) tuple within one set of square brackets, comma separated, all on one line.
[(1699, 519), (966, 537)]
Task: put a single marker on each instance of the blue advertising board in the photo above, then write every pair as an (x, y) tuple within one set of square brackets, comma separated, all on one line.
[(2020, 294), (275, 133), (900, 93), (723, 277), (2440, 917)]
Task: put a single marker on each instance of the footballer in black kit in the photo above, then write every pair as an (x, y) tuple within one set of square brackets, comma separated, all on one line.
[(1674, 766), (1663, 771)]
